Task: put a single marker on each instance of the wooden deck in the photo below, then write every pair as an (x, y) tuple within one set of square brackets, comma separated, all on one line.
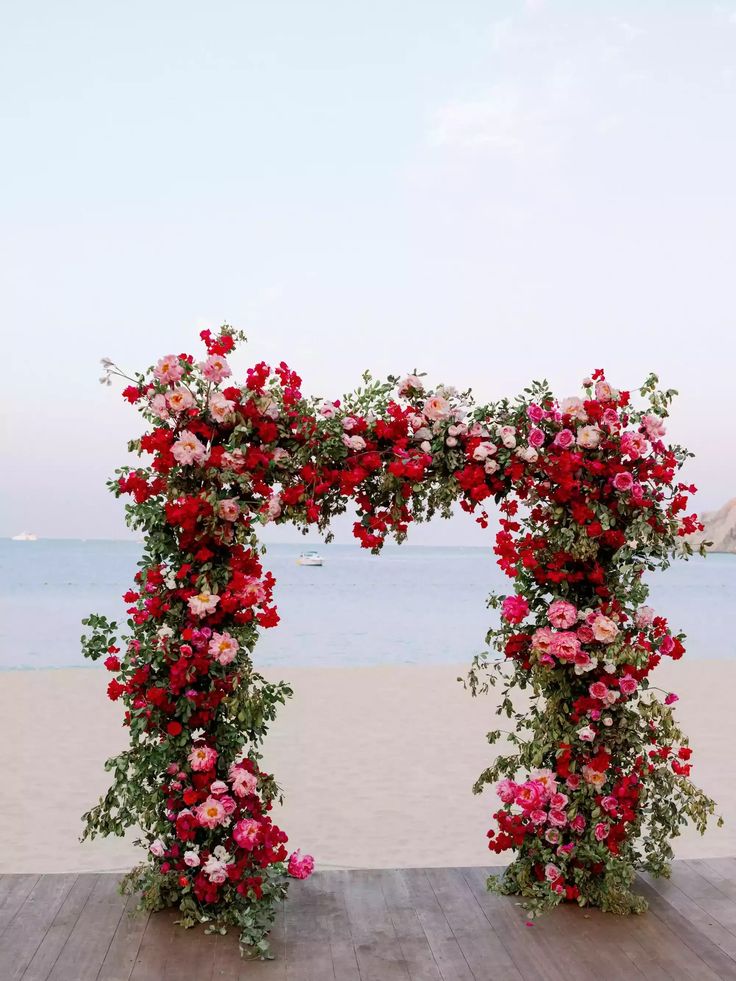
[(409, 924)]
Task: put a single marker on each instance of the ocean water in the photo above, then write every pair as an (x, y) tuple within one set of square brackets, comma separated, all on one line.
[(410, 605)]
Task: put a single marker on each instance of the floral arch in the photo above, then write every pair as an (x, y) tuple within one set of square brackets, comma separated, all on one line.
[(596, 777)]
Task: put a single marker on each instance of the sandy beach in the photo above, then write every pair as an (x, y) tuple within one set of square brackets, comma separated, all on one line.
[(377, 765)]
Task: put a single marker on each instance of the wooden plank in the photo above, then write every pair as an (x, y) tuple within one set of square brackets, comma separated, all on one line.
[(693, 928), (126, 941), (309, 961), (377, 948), (156, 945), (16, 890), (442, 942), (529, 946), (315, 910), (88, 943), (481, 945), (191, 955), (61, 927), (27, 929), (415, 947)]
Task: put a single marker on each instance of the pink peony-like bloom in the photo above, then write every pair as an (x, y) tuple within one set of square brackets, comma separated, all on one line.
[(588, 437), (483, 451), (300, 866), (436, 408), (410, 383), (574, 407), (508, 436), (600, 831), (191, 859), (627, 685), (547, 778), (168, 370), (210, 813), (218, 787), (188, 449), (623, 481), (671, 698), (551, 872), (244, 782), (354, 443), (180, 399), (562, 614), (604, 629), (634, 445), (586, 733), (604, 392), (653, 426), (531, 795), (514, 609), (565, 646), (246, 833), (215, 368), (157, 848), (594, 778), (599, 689), (535, 412), (557, 818), (542, 639), (609, 805), (564, 439), (644, 617), (202, 757), (223, 647), (203, 603), (538, 816), (220, 407), (507, 790), (215, 869), (229, 509), (558, 801)]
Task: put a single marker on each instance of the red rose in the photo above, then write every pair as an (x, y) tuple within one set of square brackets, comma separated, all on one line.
[(173, 728), (112, 663)]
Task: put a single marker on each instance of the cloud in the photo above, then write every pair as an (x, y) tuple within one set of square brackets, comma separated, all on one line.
[(494, 122)]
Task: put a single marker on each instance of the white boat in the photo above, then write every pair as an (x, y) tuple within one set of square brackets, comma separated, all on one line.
[(25, 536), (309, 558)]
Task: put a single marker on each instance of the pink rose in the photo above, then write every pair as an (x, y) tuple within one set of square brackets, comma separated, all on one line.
[(671, 699), (558, 801), (634, 445), (535, 412), (551, 872), (168, 370), (229, 509), (644, 616), (598, 689), (578, 823), (514, 609), (562, 614), (537, 816), (246, 833), (157, 848), (623, 481), (536, 437), (215, 368), (531, 794), (604, 629), (653, 426), (627, 685), (542, 639), (600, 831), (436, 408), (565, 646), (557, 818), (588, 437), (507, 790), (564, 439), (300, 866)]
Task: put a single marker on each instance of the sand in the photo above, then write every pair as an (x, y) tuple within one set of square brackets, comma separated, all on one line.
[(377, 765)]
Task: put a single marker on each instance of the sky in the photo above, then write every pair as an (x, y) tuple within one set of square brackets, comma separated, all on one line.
[(488, 191)]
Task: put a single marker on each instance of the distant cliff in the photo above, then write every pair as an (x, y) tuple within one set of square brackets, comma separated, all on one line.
[(720, 528)]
